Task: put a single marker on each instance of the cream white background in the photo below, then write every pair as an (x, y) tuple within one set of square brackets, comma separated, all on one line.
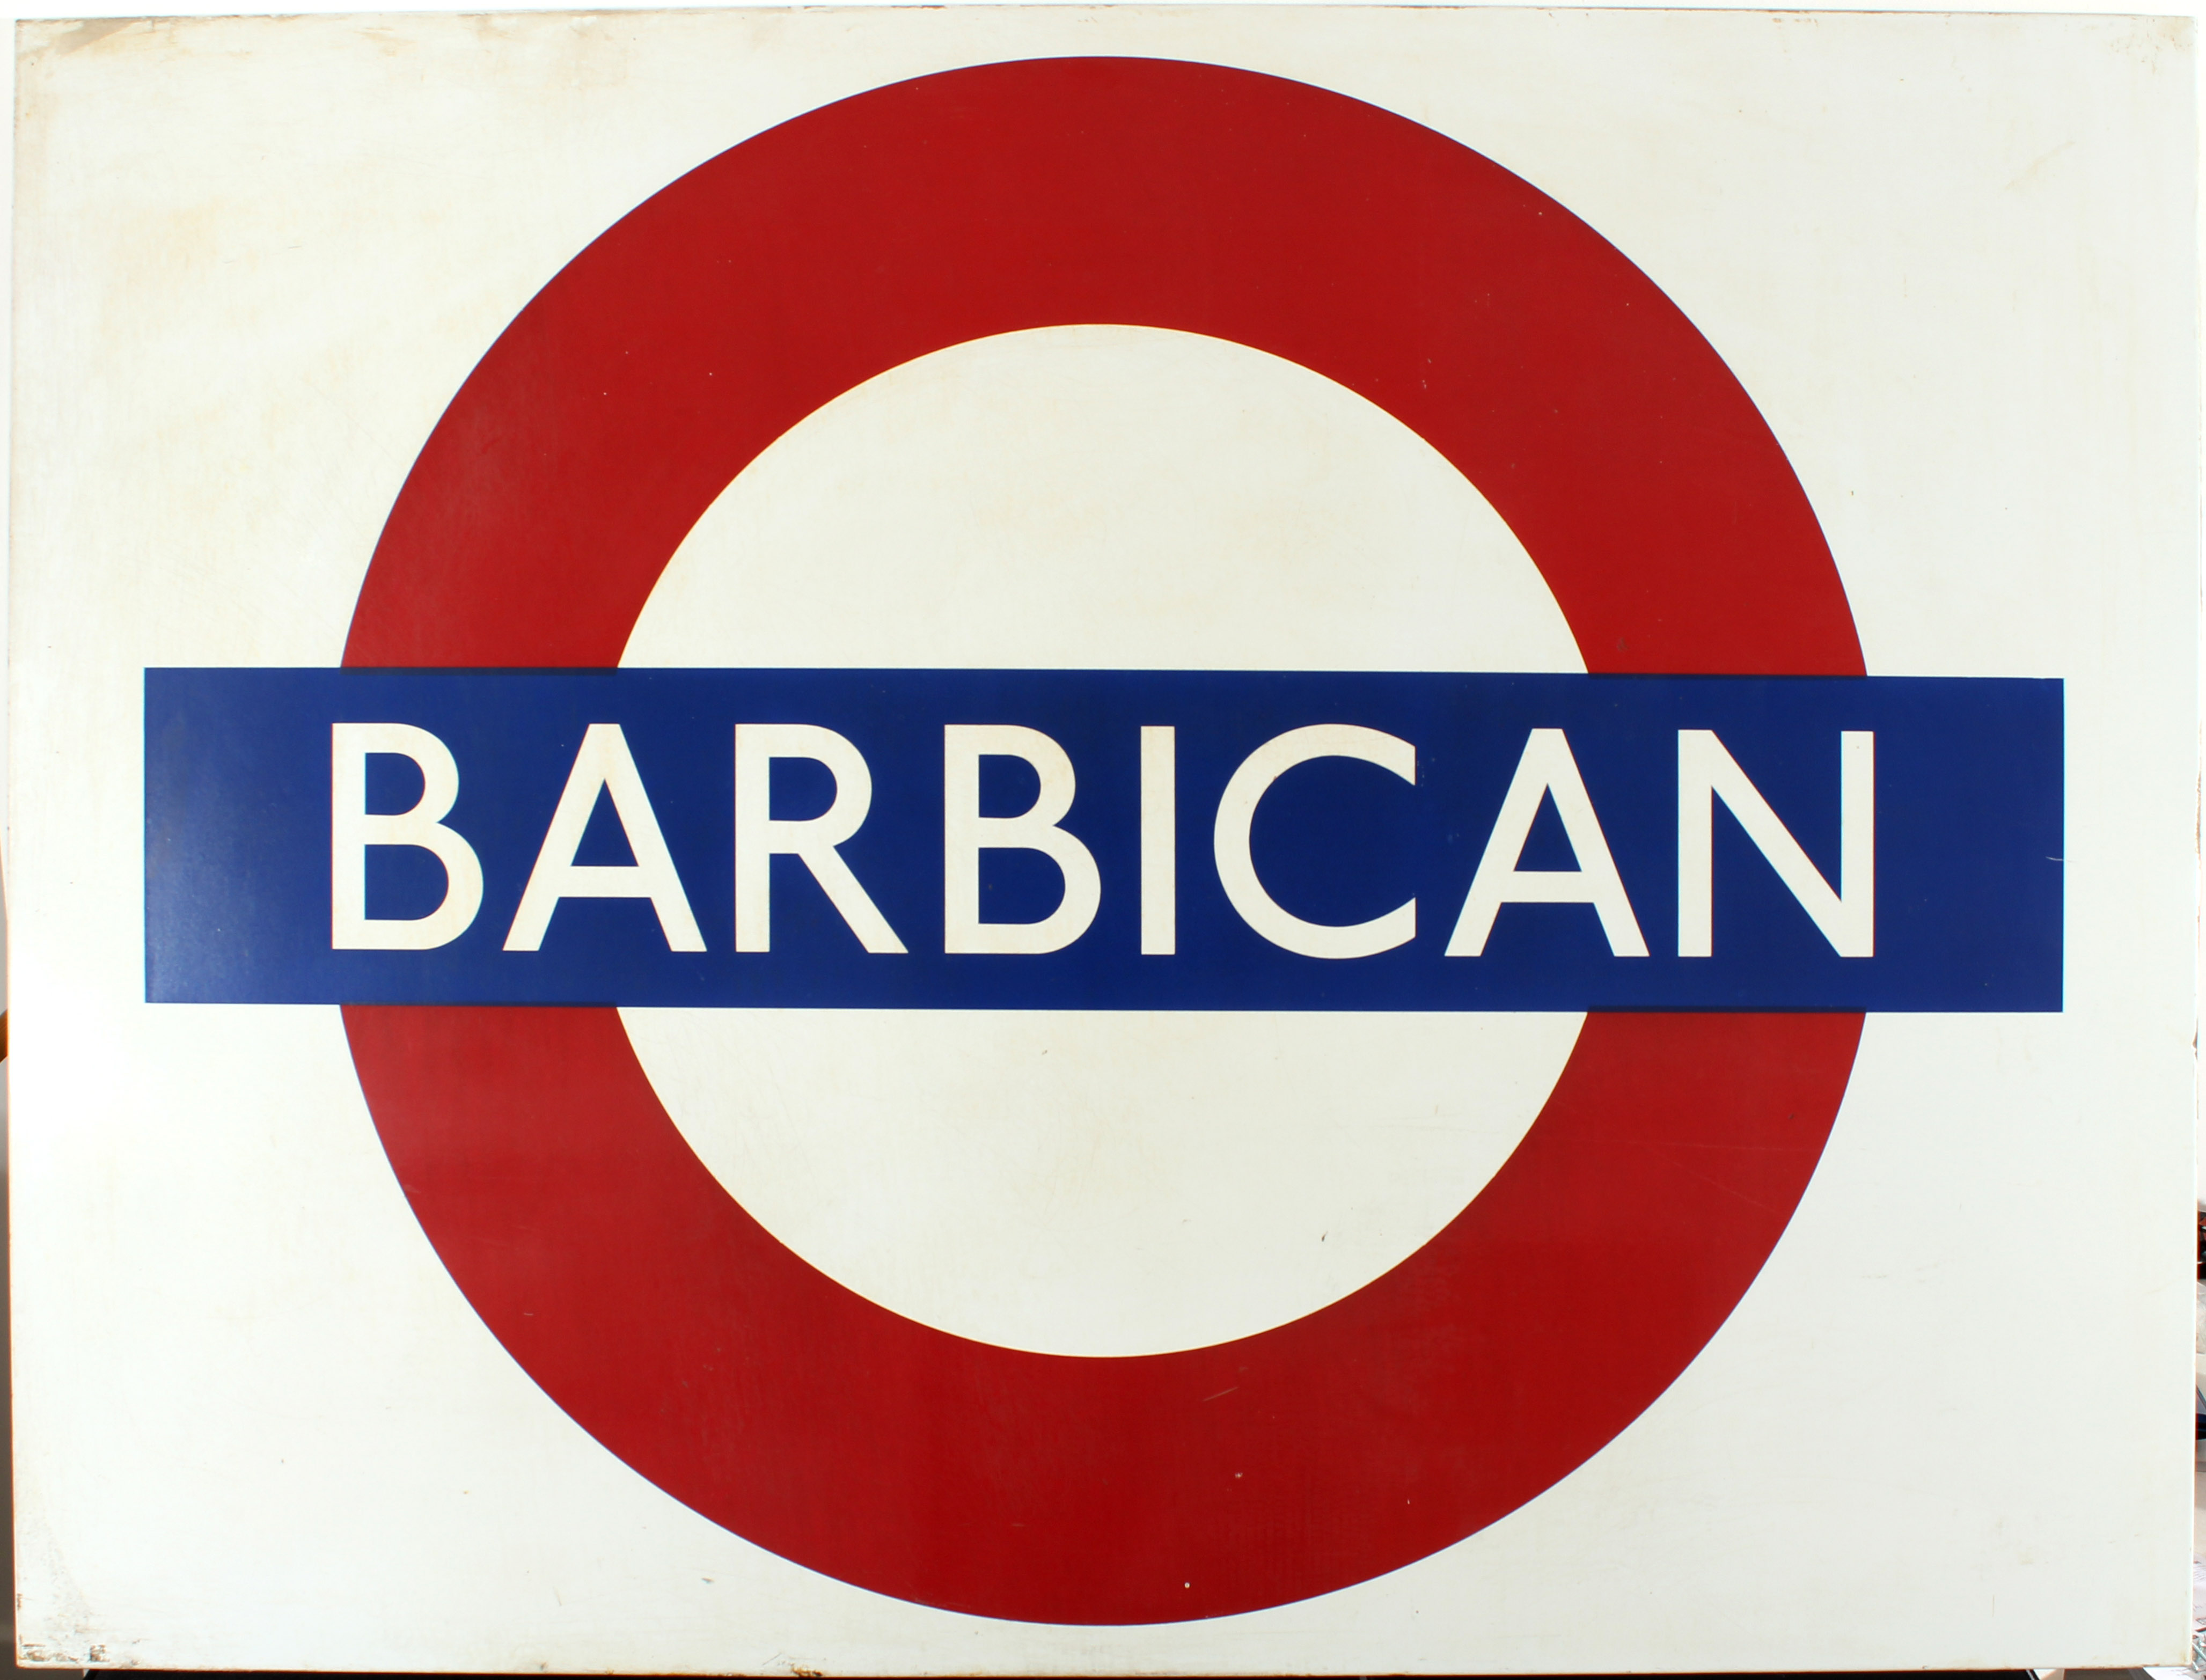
[(1951, 259)]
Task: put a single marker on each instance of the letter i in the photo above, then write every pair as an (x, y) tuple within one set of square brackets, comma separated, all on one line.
[(1160, 843)]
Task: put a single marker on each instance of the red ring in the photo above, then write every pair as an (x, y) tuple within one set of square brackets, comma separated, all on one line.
[(1607, 433)]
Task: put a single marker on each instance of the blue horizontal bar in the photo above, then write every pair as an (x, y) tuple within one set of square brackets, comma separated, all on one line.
[(1967, 839)]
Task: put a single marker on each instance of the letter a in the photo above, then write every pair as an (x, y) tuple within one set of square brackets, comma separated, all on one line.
[(1547, 767), (604, 762)]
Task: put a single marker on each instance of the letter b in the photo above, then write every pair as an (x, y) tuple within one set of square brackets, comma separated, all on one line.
[(354, 829), (966, 834)]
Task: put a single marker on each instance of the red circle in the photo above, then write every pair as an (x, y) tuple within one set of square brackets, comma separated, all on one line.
[(1642, 480)]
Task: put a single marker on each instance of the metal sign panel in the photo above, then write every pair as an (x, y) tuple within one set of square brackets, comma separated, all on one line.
[(1053, 841)]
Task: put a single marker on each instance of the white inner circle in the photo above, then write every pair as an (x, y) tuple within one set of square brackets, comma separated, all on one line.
[(1102, 1183)]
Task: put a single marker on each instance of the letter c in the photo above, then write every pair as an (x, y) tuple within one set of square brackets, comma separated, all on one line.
[(1237, 811)]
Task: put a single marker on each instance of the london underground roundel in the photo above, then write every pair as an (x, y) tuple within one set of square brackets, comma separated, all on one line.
[(1738, 800), (619, 1272)]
